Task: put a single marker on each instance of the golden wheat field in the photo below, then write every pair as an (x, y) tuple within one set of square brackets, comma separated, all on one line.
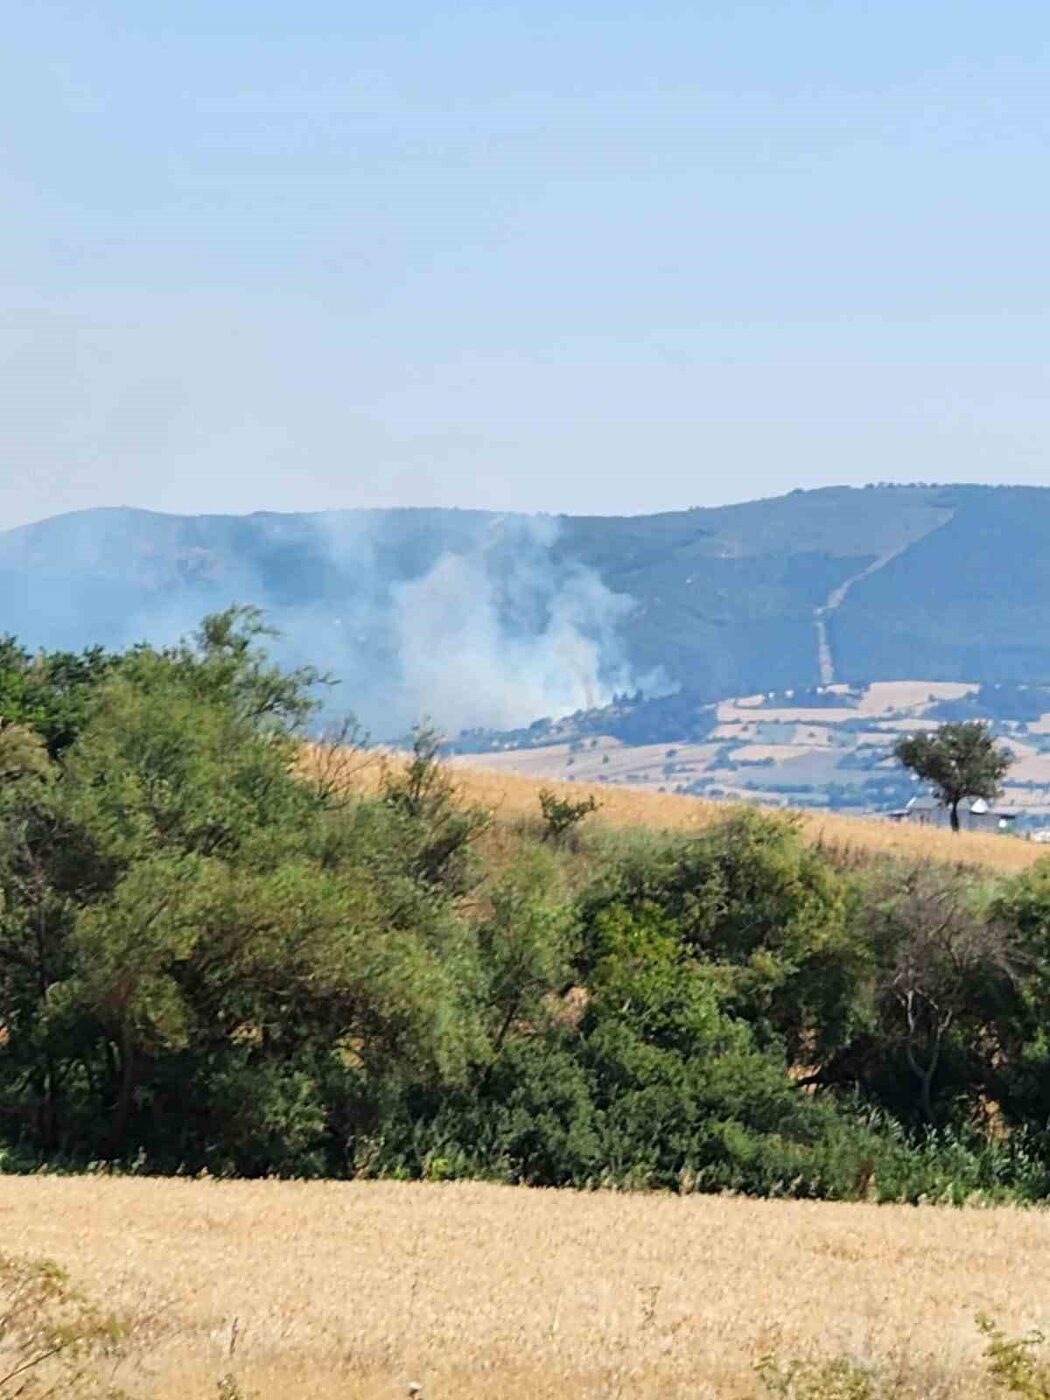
[(516, 795), (364, 1290), (513, 794)]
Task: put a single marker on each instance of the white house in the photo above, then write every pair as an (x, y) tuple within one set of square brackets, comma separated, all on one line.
[(975, 814)]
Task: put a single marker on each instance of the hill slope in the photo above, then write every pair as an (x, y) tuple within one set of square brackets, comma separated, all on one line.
[(516, 795), (544, 614)]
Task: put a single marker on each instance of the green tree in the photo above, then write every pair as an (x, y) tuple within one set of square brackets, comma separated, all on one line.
[(752, 898), (524, 943), (958, 760), (561, 815), (438, 830), (51, 693), (946, 993), (201, 957)]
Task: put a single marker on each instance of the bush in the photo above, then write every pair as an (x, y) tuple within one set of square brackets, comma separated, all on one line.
[(52, 1339), (561, 815)]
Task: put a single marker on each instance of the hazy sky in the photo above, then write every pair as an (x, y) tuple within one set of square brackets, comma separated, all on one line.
[(587, 256)]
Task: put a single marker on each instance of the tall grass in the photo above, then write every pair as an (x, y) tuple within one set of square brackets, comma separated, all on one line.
[(357, 1290), (516, 795)]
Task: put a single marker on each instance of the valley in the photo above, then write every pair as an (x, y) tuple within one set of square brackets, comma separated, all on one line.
[(830, 747)]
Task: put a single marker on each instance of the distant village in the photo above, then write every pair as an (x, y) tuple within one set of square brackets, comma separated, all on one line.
[(830, 747)]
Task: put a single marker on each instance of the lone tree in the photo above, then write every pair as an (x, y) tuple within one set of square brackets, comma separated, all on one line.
[(561, 814), (958, 760)]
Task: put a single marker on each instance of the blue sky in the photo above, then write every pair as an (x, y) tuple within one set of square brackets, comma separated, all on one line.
[(591, 257)]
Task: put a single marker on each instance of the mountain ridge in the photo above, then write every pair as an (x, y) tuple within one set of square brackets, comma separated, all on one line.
[(554, 611)]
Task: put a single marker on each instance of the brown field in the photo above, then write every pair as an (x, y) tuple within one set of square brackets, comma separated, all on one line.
[(358, 1290), (515, 795)]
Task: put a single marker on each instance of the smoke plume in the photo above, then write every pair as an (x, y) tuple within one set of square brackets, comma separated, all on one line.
[(474, 620), (508, 632)]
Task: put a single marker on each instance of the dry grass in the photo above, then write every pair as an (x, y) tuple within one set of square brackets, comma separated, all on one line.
[(516, 795), (357, 1289)]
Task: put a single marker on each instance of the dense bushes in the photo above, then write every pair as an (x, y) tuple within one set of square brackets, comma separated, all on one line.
[(212, 959)]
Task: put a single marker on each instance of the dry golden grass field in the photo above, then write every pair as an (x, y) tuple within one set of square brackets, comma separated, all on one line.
[(359, 1290), (516, 795), (512, 794)]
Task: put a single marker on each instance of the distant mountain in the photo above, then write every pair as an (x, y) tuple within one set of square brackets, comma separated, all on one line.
[(494, 620)]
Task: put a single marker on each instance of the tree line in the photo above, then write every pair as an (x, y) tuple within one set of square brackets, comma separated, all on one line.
[(217, 956)]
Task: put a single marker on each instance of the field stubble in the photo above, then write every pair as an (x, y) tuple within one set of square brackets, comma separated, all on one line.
[(470, 1290)]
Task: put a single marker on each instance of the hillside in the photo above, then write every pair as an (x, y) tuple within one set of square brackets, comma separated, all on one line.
[(515, 795), (545, 615)]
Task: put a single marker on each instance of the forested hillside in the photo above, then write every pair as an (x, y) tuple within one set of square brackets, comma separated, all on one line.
[(545, 615)]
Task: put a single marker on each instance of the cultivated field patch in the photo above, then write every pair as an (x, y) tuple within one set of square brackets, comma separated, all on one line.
[(465, 1290)]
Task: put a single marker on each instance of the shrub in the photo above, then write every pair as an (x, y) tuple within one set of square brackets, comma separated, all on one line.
[(561, 814), (52, 1339)]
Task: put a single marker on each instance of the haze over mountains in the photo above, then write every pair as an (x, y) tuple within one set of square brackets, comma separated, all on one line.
[(493, 620)]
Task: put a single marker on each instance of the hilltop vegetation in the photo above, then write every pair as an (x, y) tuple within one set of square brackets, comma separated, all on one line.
[(213, 957), (764, 596)]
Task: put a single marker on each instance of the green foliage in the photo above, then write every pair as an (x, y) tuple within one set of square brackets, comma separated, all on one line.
[(52, 693), (1014, 1362), (200, 961), (524, 946), (837, 1379), (945, 988), (1022, 1086), (23, 754), (438, 832), (561, 814), (752, 898), (959, 760), (1015, 1366), (208, 960)]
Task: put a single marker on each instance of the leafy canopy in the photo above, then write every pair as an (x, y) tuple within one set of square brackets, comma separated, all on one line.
[(959, 760), (213, 956)]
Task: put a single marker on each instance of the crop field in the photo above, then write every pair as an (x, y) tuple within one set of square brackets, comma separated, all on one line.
[(368, 1289), (515, 795), (776, 750)]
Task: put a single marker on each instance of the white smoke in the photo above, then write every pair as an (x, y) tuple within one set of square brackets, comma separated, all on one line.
[(475, 620), (507, 633)]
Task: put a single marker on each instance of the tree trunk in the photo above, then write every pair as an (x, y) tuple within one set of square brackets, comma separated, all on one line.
[(924, 1074), (504, 1030), (123, 1105), (48, 1117), (955, 814)]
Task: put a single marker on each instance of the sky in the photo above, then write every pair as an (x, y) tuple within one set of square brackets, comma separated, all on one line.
[(585, 257)]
